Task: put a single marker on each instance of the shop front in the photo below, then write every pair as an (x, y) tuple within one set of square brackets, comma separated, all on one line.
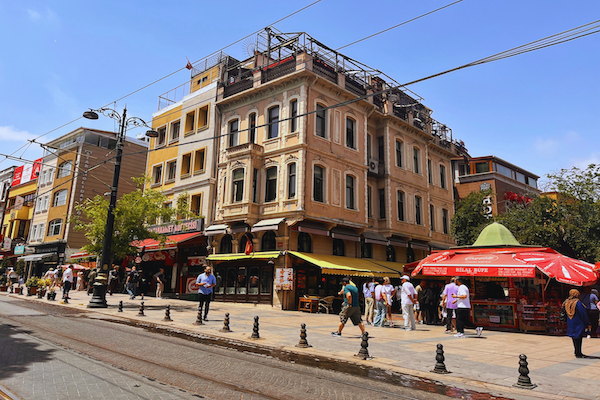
[(45, 256)]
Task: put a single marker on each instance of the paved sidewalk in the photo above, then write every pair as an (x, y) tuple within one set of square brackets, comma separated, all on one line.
[(489, 363)]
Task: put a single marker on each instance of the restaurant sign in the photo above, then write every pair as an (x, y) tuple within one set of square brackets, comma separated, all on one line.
[(187, 226), (507, 272)]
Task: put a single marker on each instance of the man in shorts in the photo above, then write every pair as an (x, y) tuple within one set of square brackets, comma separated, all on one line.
[(350, 309)]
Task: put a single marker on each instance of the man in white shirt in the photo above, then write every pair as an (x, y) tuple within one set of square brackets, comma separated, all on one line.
[(463, 306), (67, 281), (409, 298)]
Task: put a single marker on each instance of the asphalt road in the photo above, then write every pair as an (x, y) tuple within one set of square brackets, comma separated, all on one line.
[(49, 352)]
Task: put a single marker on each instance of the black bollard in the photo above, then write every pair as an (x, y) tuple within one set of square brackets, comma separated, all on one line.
[(121, 306), (226, 324), (141, 313), (255, 334), (12, 290), (364, 344), (440, 367), (303, 342), (40, 294), (199, 317), (168, 314), (524, 382)]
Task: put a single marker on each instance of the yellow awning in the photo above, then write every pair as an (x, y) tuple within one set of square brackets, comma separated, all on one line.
[(394, 266), (265, 255), (339, 265)]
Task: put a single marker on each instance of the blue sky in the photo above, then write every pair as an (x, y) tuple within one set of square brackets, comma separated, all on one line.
[(538, 110)]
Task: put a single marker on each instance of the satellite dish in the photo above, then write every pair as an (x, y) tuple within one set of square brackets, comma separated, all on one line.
[(249, 46)]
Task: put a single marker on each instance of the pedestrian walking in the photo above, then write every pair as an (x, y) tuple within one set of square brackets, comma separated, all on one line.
[(67, 280), (388, 292), (590, 302), (450, 290), (350, 308), (80, 282), (577, 321), (380, 308), (409, 300), (160, 283), (463, 306), (369, 293), (132, 282), (205, 282), (114, 280), (91, 278)]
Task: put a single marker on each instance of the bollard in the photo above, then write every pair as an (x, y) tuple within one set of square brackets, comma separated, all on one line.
[(363, 354), (524, 382), (226, 324), (199, 317), (121, 306), (255, 334), (141, 313), (40, 294), (303, 342), (440, 367), (12, 290), (65, 300), (168, 313)]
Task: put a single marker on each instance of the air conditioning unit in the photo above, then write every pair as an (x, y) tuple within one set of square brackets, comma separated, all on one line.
[(374, 166)]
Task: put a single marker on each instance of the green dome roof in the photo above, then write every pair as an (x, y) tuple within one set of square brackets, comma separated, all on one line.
[(495, 234)]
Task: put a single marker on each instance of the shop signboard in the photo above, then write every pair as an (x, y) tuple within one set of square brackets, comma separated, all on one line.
[(20, 249), (187, 226), (191, 286), (284, 278), (6, 243), (26, 173), (508, 272)]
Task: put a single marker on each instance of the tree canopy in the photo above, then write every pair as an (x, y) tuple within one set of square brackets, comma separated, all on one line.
[(134, 212), (469, 218)]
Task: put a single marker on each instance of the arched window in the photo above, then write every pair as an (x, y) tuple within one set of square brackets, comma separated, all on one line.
[(268, 242), (304, 243), (226, 245), (271, 184), (291, 180), (351, 133), (233, 133), (294, 115), (350, 203), (390, 253), (273, 128), (339, 248), (319, 184), (320, 124), (64, 169), (252, 128), (238, 185), (60, 198)]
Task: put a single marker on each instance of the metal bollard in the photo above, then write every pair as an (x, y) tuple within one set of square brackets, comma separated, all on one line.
[(255, 334), (524, 382), (121, 306), (303, 342), (364, 344), (226, 324), (168, 313), (199, 317), (141, 313), (440, 367)]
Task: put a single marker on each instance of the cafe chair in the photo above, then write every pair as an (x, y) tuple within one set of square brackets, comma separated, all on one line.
[(326, 304)]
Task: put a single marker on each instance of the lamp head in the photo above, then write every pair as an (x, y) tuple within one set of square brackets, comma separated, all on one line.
[(152, 133), (90, 115)]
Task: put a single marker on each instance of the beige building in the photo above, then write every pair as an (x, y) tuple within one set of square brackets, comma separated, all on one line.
[(328, 167)]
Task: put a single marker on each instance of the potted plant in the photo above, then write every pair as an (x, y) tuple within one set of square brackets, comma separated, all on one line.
[(32, 285), (3, 283)]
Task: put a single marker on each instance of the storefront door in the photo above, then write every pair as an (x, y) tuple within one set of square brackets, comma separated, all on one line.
[(244, 284)]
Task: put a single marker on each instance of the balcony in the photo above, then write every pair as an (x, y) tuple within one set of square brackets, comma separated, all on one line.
[(252, 149), (238, 87), (279, 69)]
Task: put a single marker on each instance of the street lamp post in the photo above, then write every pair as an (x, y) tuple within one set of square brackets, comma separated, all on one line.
[(98, 299)]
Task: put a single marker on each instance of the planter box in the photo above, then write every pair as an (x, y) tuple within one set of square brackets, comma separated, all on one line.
[(3, 288), (17, 290), (32, 290)]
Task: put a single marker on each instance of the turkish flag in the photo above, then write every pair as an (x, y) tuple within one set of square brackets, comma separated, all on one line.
[(249, 248)]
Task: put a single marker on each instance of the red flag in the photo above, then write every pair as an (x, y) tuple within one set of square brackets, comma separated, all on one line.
[(249, 247), (189, 64)]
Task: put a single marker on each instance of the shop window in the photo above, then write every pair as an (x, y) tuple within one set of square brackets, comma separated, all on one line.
[(350, 203), (242, 280), (304, 242), (230, 280), (366, 249), (291, 180), (203, 117), (271, 185), (54, 227), (268, 242), (253, 280), (226, 245), (321, 121), (64, 169), (294, 115), (400, 206), (238, 185), (175, 131), (266, 280), (351, 133), (190, 122), (339, 248), (319, 184), (273, 128), (60, 198), (199, 161), (233, 133), (186, 161), (252, 128), (390, 253)]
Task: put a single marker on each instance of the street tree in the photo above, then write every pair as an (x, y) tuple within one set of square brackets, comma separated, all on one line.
[(134, 212), (469, 218)]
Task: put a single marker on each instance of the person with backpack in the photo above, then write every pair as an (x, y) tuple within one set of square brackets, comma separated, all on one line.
[(133, 279)]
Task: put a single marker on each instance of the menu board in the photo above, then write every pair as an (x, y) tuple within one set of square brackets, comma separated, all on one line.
[(284, 278)]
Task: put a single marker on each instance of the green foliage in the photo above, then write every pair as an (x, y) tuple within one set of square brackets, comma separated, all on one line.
[(469, 218), (33, 282), (133, 213), (20, 269)]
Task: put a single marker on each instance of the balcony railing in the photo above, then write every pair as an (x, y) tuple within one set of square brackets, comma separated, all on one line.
[(279, 69), (238, 87), (245, 148), (324, 69), (355, 87)]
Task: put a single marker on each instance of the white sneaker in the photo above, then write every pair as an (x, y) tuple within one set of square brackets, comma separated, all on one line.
[(459, 335), (479, 329)]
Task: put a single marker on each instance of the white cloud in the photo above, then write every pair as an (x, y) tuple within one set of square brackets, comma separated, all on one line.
[(33, 15), (546, 147), (51, 15), (12, 134), (582, 163)]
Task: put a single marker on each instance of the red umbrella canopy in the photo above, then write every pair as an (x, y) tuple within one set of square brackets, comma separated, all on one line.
[(564, 269)]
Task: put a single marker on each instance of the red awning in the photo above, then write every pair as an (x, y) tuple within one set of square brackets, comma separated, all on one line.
[(170, 243)]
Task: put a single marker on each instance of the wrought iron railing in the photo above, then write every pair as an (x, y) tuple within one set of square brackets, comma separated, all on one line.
[(355, 87), (238, 87), (279, 69), (324, 69)]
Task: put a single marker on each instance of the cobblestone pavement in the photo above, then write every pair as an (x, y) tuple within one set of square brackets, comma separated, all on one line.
[(488, 364)]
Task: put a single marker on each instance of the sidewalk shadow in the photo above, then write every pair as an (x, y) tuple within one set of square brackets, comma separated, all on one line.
[(18, 353)]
